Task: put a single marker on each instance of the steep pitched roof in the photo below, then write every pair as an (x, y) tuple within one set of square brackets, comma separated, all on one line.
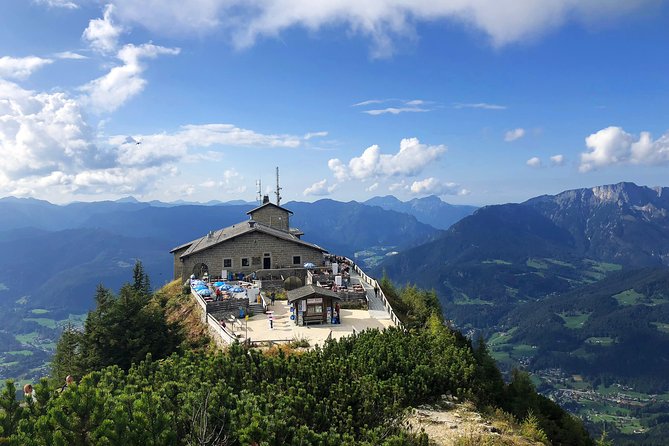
[(268, 204), (308, 291), (236, 230)]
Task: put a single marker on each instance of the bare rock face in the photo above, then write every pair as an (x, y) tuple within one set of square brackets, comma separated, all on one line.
[(621, 223)]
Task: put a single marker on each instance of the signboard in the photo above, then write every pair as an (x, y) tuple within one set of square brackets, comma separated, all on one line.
[(338, 280), (314, 300), (335, 268), (303, 305), (300, 318)]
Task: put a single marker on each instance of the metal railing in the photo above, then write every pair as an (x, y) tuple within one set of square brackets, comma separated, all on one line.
[(375, 284)]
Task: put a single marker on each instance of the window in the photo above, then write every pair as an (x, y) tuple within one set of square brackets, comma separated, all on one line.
[(297, 260), (227, 263), (245, 261)]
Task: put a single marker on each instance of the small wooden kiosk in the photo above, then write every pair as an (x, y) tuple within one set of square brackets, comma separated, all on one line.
[(313, 304)]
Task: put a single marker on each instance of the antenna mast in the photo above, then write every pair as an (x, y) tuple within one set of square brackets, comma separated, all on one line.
[(259, 194), (278, 189)]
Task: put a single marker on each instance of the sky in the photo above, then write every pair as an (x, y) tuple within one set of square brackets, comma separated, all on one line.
[(476, 101)]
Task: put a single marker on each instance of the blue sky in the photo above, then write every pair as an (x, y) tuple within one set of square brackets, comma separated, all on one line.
[(477, 101)]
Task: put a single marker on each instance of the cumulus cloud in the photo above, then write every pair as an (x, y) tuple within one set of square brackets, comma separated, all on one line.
[(47, 144), (41, 132), (109, 92), (410, 160), (434, 186), (534, 162), (557, 160), (382, 21), (319, 189), (612, 146), (20, 68), (513, 135), (102, 34)]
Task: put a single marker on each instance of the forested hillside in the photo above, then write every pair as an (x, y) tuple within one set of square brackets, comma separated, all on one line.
[(352, 391)]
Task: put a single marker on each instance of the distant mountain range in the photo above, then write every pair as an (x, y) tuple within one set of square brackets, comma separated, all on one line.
[(71, 248), (513, 252), (573, 287), (431, 210), (53, 257)]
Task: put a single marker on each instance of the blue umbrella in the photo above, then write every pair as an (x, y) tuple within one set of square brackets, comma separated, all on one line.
[(204, 292), (237, 289), (219, 284)]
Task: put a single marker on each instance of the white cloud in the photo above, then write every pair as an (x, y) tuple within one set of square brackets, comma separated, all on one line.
[(109, 92), (69, 55), (411, 159), (395, 110), (370, 102), (398, 186), (319, 189), (557, 160), (41, 132), (513, 135), (612, 145), (233, 182), (482, 105), (400, 106), (67, 4), (433, 186), (20, 68), (46, 144), (102, 34), (534, 162), (311, 135), (383, 21), (373, 187), (159, 148)]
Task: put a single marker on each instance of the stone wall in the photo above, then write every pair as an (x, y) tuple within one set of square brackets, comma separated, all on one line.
[(178, 265), (273, 217), (222, 308), (252, 246)]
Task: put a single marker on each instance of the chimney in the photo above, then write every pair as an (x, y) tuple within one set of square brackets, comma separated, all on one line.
[(252, 223), (265, 199)]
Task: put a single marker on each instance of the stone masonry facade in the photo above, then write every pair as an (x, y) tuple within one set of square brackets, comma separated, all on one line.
[(272, 216), (246, 254)]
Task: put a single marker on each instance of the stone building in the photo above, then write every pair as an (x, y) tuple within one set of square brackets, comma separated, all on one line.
[(266, 241)]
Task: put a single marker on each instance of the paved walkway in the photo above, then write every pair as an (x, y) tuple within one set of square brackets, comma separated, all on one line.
[(377, 309), (284, 329)]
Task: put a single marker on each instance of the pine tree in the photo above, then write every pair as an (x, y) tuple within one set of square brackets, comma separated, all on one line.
[(141, 282), (68, 359)]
